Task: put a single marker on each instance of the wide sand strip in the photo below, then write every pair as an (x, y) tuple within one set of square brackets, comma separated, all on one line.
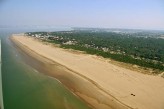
[(128, 88)]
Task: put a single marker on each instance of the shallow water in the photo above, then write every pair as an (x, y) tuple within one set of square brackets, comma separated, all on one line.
[(26, 88)]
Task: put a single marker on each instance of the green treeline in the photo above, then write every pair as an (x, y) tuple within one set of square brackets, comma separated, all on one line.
[(125, 47), (117, 57)]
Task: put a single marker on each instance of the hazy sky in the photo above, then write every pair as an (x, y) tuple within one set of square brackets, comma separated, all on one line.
[(146, 14)]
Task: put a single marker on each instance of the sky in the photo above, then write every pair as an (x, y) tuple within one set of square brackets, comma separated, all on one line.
[(132, 14)]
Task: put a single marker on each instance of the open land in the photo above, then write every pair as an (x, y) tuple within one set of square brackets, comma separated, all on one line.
[(100, 83)]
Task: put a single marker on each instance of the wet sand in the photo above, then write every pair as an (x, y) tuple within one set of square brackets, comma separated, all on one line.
[(99, 83)]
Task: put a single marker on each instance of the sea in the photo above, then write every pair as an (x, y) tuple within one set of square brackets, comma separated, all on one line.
[(23, 87)]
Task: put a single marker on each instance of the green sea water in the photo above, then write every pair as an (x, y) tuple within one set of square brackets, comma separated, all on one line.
[(25, 88)]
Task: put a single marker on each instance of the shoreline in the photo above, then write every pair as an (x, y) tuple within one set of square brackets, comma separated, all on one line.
[(101, 94), (85, 94)]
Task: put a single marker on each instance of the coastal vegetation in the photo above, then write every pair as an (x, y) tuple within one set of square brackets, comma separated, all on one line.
[(142, 48)]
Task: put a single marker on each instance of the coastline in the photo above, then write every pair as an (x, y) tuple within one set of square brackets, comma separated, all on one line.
[(116, 88)]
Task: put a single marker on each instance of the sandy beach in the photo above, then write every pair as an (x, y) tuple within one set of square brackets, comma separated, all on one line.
[(98, 82)]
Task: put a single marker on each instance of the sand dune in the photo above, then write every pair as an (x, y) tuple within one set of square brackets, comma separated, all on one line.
[(130, 88)]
